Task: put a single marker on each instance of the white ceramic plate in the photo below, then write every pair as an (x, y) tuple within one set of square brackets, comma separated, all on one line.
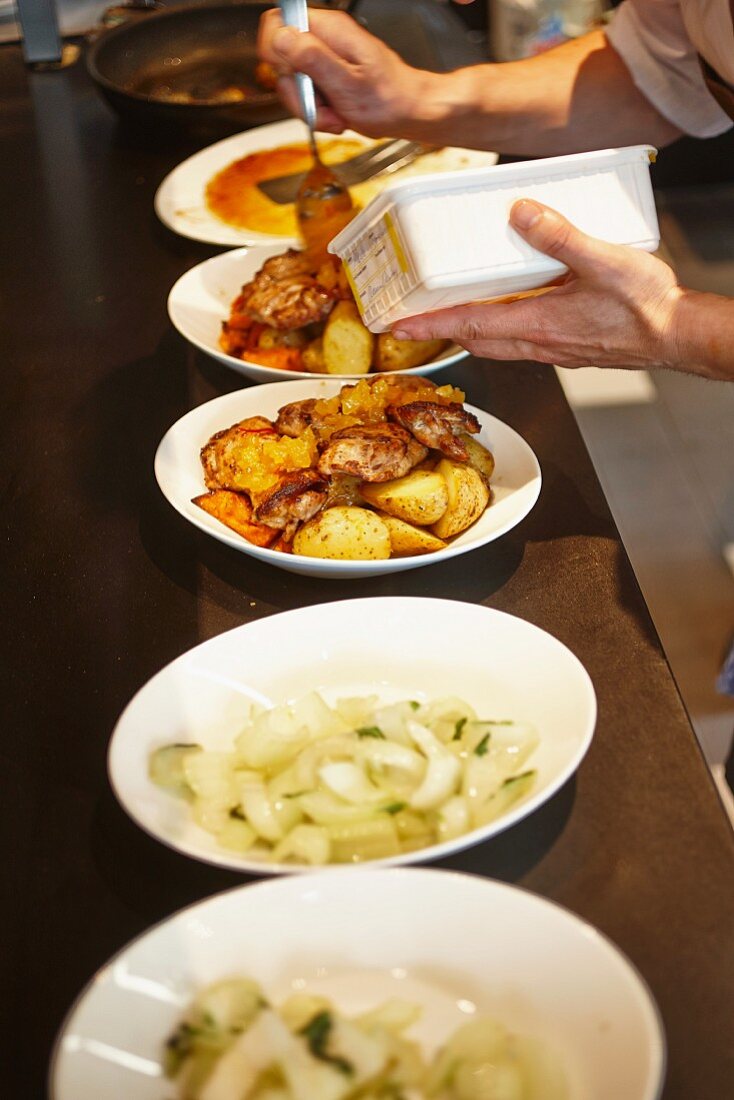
[(201, 300), (393, 647), (516, 480), (453, 943), (180, 201)]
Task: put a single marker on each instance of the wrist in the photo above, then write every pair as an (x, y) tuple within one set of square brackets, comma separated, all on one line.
[(702, 334), (442, 108)]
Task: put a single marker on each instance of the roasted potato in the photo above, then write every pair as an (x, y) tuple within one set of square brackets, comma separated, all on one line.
[(468, 497), (313, 357), (479, 457), (348, 533), (393, 354), (347, 343), (406, 539), (282, 338), (421, 497), (235, 511)]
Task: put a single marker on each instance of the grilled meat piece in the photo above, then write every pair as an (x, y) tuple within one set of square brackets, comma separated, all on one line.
[(297, 496), (437, 426), (293, 419), (219, 456), (378, 453), (285, 294)]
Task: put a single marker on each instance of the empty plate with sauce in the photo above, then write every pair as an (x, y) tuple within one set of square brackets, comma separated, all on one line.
[(213, 196)]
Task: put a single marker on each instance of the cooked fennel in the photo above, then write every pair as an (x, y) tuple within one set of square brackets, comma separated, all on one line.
[(307, 783)]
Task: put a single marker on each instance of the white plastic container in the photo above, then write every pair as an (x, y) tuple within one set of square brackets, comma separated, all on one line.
[(445, 239)]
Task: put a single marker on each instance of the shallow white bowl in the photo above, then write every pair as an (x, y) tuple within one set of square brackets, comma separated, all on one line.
[(516, 480), (201, 300), (180, 201), (393, 647), (452, 943)]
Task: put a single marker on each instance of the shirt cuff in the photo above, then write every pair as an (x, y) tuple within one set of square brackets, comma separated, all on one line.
[(670, 77)]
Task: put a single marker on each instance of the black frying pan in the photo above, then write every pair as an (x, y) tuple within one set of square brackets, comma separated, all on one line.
[(204, 53)]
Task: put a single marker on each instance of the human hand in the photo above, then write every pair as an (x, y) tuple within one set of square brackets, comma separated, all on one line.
[(616, 308), (367, 86)]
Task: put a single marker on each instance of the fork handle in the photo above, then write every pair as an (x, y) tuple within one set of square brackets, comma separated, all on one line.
[(295, 14)]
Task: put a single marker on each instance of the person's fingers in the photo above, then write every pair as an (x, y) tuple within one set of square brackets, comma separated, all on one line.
[(304, 52), (479, 321), (327, 120), (269, 22), (341, 33), (555, 236)]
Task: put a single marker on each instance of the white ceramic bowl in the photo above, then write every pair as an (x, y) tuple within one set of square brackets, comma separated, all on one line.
[(516, 480), (201, 300), (452, 943), (180, 201), (393, 647)]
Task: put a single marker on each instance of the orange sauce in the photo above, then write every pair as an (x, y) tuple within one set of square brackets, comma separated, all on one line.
[(233, 196), (262, 459)]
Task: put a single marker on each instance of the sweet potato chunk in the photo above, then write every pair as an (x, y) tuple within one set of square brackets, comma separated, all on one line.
[(235, 511)]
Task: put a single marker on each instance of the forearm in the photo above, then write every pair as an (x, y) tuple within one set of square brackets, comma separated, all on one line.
[(577, 97), (704, 335)]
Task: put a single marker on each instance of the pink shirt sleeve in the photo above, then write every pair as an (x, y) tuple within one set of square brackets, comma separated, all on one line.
[(651, 38)]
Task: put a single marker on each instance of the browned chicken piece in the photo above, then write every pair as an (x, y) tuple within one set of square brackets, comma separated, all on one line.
[(297, 496), (377, 453), (285, 294), (219, 456), (293, 419), (437, 426)]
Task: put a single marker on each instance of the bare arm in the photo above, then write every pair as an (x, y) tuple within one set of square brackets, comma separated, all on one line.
[(576, 97), (579, 96)]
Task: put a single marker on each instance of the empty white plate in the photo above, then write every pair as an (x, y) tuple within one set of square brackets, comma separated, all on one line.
[(180, 201), (393, 647), (455, 944)]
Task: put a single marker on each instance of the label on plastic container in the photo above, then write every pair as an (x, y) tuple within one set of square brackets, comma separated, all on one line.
[(375, 262)]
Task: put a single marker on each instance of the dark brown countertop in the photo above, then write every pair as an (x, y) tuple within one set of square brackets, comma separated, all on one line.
[(103, 584)]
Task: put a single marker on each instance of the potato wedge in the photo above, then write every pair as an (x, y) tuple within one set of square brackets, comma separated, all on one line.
[(393, 354), (406, 539), (235, 511), (347, 343), (468, 497), (479, 457), (421, 497), (345, 533)]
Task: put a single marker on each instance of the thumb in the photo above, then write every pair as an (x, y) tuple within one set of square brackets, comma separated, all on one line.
[(552, 234)]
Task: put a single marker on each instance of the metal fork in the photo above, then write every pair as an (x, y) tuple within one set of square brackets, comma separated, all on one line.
[(388, 156), (295, 14)]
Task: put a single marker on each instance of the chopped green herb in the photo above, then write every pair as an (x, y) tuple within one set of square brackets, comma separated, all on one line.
[(316, 1032), (458, 729), (179, 1046), (414, 705), (394, 807), (370, 731), (294, 794), (483, 747), (209, 1020)]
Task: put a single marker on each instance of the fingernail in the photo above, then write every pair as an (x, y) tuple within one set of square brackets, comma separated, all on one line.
[(282, 39), (526, 213), (401, 334)]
